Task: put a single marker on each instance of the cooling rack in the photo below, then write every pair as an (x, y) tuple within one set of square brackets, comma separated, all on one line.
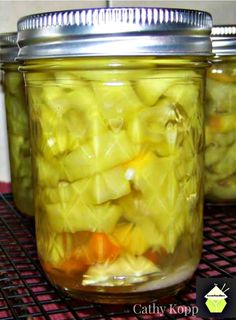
[(25, 292)]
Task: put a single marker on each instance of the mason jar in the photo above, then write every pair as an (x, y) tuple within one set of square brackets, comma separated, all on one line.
[(220, 150), (17, 125), (116, 121)]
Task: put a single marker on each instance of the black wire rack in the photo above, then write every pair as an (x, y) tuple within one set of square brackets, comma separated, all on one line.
[(25, 292)]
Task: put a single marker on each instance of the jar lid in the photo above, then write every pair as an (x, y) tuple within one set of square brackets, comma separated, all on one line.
[(224, 39), (8, 47), (114, 31)]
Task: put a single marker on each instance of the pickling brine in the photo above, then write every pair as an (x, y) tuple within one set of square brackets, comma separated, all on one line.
[(118, 157)]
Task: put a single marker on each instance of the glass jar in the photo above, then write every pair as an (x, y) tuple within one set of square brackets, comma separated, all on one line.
[(17, 125), (117, 135), (220, 149)]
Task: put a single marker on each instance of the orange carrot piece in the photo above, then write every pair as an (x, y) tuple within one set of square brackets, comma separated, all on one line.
[(214, 122), (223, 77), (98, 249), (155, 256), (102, 247)]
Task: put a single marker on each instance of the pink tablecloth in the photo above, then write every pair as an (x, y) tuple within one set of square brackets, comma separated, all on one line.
[(5, 187)]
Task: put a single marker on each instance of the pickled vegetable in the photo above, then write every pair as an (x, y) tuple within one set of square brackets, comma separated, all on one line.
[(220, 151), (18, 136), (117, 162)]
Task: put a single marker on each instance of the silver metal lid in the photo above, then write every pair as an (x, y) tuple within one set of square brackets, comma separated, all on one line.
[(224, 39), (114, 31), (8, 47)]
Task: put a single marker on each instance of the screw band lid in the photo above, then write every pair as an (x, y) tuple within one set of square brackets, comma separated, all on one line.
[(114, 31), (224, 40), (8, 47)]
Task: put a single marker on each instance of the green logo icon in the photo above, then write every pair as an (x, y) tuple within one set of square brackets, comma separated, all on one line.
[(216, 299)]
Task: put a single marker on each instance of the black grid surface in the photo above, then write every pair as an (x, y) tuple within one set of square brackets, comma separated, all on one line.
[(25, 292)]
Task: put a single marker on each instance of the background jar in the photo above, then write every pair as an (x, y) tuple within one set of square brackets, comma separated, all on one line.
[(17, 125), (220, 152), (116, 120)]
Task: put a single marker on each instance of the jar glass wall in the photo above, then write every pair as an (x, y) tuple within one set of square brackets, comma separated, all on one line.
[(117, 163), (18, 137)]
